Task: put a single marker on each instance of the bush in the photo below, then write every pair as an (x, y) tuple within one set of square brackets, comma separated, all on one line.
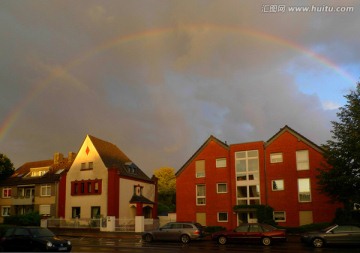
[(213, 229), (29, 219), (306, 228)]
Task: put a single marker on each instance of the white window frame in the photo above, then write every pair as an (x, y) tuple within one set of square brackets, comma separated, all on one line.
[(277, 216), (200, 168), (47, 189), (221, 162), (222, 220), (218, 189), (302, 160), (278, 189), (5, 211), (276, 157), (5, 192), (304, 196), (199, 198)]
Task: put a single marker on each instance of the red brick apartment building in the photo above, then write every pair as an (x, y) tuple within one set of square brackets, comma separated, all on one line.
[(280, 173)]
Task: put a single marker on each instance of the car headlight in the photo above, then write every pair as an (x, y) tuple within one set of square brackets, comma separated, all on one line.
[(68, 242), (49, 244)]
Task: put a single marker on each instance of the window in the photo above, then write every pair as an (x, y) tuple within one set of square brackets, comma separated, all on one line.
[(302, 160), (304, 190), (221, 163), (86, 187), (248, 195), (89, 166), (305, 217), (75, 212), (200, 195), (247, 176), (222, 217), (276, 158), (279, 216), (277, 185), (95, 212), (200, 168), (44, 210), (5, 210), (45, 190), (221, 188), (6, 192)]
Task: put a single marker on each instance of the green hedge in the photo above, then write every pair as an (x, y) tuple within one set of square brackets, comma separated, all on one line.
[(29, 219)]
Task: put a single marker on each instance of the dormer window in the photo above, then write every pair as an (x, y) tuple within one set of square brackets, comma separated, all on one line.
[(38, 172)]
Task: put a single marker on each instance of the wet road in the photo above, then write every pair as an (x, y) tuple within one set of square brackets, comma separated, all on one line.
[(85, 244)]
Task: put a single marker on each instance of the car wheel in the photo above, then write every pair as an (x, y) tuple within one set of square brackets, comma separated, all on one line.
[(148, 238), (185, 239), (318, 242), (266, 241), (222, 240)]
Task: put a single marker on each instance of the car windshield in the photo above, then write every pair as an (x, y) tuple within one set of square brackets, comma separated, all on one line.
[(41, 232), (328, 228), (267, 227)]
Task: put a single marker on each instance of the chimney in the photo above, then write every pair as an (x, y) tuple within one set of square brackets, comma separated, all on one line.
[(71, 157), (58, 157)]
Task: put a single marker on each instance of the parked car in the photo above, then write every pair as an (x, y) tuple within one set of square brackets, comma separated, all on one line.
[(251, 232), (335, 234), (174, 231), (32, 239)]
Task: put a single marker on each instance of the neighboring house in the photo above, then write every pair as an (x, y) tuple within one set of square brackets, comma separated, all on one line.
[(36, 186), (103, 181), (280, 173)]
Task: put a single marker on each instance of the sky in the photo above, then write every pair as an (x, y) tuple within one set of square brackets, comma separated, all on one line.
[(157, 78)]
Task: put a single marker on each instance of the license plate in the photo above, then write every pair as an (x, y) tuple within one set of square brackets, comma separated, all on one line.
[(62, 249)]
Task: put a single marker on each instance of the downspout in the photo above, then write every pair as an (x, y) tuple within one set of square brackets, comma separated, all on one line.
[(266, 190)]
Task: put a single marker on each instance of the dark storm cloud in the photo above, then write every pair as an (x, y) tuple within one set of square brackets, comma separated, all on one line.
[(156, 78)]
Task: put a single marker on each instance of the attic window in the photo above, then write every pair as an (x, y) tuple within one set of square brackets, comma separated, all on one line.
[(131, 170), (38, 172)]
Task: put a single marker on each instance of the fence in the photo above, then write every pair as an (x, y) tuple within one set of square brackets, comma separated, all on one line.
[(121, 225)]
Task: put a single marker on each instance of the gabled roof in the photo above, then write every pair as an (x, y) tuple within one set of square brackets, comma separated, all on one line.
[(114, 158), (20, 176), (140, 199), (297, 135), (211, 138)]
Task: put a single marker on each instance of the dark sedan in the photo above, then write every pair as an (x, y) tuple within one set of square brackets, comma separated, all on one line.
[(253, 232), (32, 239), (335, 234)]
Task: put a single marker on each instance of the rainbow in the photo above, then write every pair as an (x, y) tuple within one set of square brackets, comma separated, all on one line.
[(139, 36)]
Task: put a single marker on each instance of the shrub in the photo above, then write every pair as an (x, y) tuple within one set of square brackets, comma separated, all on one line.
[(29, 219), (213, 229)]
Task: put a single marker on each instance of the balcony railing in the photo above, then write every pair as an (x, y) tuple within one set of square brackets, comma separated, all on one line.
[(23, 200), (305, 197)]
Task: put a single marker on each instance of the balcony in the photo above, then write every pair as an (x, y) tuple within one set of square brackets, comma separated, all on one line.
[(23, 200)]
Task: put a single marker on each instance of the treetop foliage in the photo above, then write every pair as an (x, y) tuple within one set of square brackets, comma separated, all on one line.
[(166, 179), (6, 167), (341, 178)]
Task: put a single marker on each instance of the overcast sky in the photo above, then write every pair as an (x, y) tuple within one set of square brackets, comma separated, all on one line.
[(158, 77)]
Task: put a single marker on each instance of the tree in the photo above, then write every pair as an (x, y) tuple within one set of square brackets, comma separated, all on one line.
[(6, 167), (167, 179), (167, 189), (340, 179)]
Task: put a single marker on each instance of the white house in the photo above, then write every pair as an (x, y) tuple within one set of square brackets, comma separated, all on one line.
[(103, 181)]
